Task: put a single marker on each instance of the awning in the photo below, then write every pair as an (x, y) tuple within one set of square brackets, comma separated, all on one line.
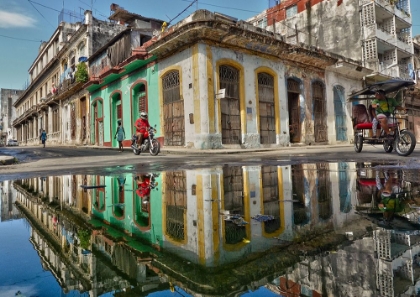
[(388, 86)]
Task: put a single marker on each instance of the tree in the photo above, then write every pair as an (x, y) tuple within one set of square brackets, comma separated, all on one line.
[(82, 75)]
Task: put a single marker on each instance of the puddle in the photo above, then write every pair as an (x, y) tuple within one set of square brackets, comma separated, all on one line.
[(337, 229)]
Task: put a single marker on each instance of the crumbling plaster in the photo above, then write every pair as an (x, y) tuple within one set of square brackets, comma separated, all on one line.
[(327, 25), (249, 63), (333, 79)]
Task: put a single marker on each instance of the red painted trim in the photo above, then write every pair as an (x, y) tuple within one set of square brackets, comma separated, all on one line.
[(108, 144), (111, 100), (96, 120)]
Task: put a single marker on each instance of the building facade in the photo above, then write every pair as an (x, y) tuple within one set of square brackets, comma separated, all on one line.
[(7, 114), (247, 89), (123, 81), (55, 100), (378, 33)]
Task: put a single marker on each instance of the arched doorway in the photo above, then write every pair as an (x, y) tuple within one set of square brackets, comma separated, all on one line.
[(116, 115), (173, 110), (139, 101), (230, 105), (293, 94), (320, 125), (340, 114), (97, 123), (266, 108)]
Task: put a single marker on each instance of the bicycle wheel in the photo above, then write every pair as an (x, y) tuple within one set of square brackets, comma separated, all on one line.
[(405, 143), (358, 143)]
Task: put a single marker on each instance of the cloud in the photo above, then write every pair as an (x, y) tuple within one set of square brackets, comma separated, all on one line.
[(15, 20)]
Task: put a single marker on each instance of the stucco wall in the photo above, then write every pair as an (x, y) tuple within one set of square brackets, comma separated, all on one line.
[(199, 71), (350, 85), (146, 76), (331, 25)]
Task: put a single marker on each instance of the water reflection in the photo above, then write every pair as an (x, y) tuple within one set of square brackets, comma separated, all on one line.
[(226, 230)]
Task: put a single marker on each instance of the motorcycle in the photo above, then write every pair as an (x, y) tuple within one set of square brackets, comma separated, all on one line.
[(148, 143), (146, 183)]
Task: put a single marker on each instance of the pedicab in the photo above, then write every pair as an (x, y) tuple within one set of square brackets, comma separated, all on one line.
[(401, 139)]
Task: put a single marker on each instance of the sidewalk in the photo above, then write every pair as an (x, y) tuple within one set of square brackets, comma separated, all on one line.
[(7, 160), (194, 151)]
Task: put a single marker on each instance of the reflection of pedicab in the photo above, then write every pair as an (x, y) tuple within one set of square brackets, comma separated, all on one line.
[(403, 140), (390, 205)]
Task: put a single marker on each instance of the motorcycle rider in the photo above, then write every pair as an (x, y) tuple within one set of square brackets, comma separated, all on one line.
[(141, 125), (143, 187)]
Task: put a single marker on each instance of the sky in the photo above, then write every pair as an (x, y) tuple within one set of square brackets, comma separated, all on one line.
[(25, 23)]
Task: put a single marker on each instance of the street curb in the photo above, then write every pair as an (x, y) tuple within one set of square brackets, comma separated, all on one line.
[(5, 160), (224, 151)]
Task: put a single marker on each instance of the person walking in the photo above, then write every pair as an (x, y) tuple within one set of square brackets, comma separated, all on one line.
[(120, 136), (43, 137)]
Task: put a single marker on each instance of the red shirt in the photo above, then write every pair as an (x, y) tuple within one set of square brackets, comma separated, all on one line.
[(142, 125), (143, 188)]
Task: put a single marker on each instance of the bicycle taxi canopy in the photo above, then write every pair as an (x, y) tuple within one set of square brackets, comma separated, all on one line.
[(388, 86)]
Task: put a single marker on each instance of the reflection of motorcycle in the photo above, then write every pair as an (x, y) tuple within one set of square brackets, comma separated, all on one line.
[(148, 143), (146, 183)]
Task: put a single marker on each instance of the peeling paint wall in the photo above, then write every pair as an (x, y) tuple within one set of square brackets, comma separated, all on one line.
[(331, 25), (350, 85), (306, 77), (203, 137)]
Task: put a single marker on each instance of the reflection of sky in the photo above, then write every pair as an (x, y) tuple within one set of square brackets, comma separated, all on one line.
[(21, 268)]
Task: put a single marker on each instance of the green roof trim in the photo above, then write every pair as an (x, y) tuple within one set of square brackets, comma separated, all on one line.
[(130, 67)]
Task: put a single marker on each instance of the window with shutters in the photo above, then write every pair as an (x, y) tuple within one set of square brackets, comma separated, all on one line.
[(266, 106), (119, 111), (142, 103)]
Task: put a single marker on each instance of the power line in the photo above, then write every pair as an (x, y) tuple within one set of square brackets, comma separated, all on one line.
[(20, 38), (40, 13), (183, 11)]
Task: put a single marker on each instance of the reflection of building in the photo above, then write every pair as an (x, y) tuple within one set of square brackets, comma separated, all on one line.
[(79, 259), (208, 218), (398, 269), (7, 196), (348, 271), (7, 114)]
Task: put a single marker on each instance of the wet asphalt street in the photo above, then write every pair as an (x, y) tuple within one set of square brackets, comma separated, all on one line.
[(38, 161)]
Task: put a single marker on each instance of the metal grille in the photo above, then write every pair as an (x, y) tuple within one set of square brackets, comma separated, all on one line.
[(271, 203), (176, 204), (230, 106), (319, 112), (324, 191), (233, 202), (340, 114), (73, 122), (266, 103), (142, 103), (300, 215), (173, 110), (171, 90), (293, 86)]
